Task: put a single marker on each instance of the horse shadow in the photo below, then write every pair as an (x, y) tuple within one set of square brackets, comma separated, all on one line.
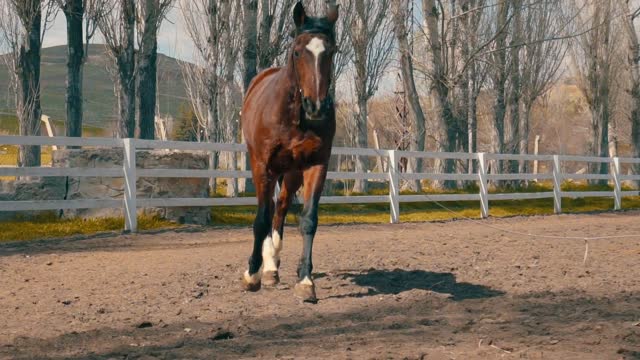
[(392, 282)]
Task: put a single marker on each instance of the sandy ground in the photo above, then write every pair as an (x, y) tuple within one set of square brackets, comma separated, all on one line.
[(456, 290)]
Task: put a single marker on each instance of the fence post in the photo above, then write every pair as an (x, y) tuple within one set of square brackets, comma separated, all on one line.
[(484, 185), (394, 186), (617, 186), (557, 185), (130, 177)]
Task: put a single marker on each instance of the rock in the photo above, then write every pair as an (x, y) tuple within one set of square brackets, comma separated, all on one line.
[(222, 335), (44, 188), (144, 325)]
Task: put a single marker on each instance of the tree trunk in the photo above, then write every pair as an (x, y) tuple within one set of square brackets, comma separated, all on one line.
[(266, 22), (635, 118), (74, 11), (633, 59), (445, 122), (360, 35), (600, 132), (500, 80), (250, 57), (361, 139), (28, 99), (213, 128), (250, 45), (147, 70), (515, 92), (400, 15), (126, 68), (472, 126), (523, 166)]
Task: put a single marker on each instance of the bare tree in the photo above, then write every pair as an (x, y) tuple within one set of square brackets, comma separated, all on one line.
[(474, 27), (250, 44), (266, 27), (514, 88), (117, 25), (540, 60), (80, 17), (275, 25), (150, 13), (400, 11), (22, 30), (633, 60), (597, 61), (443, 69), (372, 40), (499, 78), (210, 82)]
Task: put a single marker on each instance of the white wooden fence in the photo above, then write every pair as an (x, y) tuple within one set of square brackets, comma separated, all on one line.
[(130, 173)]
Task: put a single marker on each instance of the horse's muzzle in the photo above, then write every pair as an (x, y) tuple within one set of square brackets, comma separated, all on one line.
[(317, 111)]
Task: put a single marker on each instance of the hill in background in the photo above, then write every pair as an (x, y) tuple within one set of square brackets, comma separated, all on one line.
[(99, 100)]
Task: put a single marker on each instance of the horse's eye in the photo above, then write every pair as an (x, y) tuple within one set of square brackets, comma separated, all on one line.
[(296, 54)]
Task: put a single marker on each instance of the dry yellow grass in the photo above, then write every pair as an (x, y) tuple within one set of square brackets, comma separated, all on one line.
[(51, 227), (420, 212)]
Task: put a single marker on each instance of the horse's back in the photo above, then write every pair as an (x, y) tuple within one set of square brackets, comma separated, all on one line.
[(259, 82), (259, 107)]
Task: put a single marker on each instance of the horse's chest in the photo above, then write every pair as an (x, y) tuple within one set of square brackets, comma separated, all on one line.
[(299, 153)]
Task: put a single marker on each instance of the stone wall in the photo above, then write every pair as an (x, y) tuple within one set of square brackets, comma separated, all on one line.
[(46, 188), (113, 188)]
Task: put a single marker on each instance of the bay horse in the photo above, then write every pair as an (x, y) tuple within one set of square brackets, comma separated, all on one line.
[(288, 121)]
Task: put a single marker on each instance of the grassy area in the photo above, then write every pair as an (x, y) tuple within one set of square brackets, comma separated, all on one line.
[(420, 212), (9, 126), (50, 226), (9, 155)]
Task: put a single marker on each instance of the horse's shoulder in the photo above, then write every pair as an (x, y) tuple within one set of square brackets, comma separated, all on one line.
[(260, 77)]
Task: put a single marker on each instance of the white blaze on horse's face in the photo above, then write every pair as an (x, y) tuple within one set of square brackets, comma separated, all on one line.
[(316, 47)]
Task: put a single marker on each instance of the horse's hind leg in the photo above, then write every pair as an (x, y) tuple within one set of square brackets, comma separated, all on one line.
[(313, 183), (261, 228), (273, 244)]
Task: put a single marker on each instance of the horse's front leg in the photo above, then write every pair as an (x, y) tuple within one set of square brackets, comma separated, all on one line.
[(273, 245), (251, 280), (314, 178)]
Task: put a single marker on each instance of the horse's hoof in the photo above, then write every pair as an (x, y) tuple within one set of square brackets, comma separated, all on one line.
[(251, 282), (270, 278), (306, 292)]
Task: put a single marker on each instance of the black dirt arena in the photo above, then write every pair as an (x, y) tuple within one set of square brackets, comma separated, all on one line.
[(455, 290)]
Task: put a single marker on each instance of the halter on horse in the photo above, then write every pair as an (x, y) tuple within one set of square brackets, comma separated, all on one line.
[(288, 120)]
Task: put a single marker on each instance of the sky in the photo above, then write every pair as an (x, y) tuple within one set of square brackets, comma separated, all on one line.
[(172, 39)]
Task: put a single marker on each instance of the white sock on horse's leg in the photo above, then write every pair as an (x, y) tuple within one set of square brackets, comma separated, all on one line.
[(270, 254), (252, 279), (277, 243)]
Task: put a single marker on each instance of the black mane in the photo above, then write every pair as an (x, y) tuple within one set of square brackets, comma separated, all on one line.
[(316, 25)]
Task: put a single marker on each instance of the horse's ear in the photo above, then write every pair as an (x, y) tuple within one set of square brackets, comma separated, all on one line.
[(299, 15), (333, 12)]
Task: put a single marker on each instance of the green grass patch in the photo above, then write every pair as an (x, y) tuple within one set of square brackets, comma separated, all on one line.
[(426, 211), (50, 226)]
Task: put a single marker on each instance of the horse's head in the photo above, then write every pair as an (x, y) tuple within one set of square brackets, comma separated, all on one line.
[(312, 59)]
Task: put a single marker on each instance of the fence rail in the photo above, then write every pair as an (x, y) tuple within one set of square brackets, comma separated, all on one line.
[(393, 176)]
